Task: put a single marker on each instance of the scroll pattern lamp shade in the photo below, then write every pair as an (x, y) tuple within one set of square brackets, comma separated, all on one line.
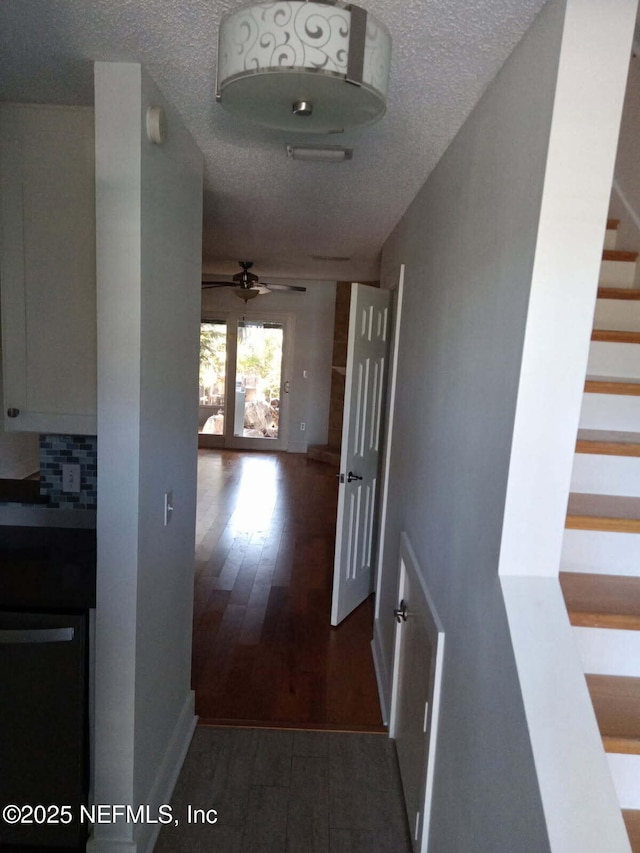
[(313, 67)]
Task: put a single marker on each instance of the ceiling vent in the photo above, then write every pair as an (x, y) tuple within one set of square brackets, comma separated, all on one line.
[(327, 154)]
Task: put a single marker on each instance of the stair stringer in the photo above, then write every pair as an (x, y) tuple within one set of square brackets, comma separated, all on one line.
[(578, 795)]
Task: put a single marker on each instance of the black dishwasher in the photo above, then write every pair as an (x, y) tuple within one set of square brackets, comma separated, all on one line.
[(43, 728), (47, 585)]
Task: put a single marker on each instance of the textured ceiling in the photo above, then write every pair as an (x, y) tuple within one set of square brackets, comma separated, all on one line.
[(259, 205)]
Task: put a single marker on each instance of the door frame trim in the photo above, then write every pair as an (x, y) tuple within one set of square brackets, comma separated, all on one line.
[(396, 307)]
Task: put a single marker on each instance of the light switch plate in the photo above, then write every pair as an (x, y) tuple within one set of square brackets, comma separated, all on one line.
[(71, 479), (168, 507)]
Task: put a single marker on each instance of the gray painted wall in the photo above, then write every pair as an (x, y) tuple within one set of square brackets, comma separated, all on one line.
[(171, 250), (468, 242), (148, 263)]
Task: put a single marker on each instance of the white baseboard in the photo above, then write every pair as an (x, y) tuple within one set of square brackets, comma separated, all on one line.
[(103, 844), (145, 835), (382, 676), (169, 770)]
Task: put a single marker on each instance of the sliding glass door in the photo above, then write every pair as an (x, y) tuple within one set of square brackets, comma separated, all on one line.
[(213, 372), (258, 384), (243, 382)]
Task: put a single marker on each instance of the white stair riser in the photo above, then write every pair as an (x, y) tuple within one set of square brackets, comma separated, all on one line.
[(617, 273), (606, 475), (610, 411), (601, 553), (619, 360), (621, 315), (609, 651), (610, 238), (625, 771)]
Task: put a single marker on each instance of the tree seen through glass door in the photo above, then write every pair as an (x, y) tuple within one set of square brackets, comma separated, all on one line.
[(258, 379), (213, 371)]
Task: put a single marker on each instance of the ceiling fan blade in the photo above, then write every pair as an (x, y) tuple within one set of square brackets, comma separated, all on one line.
[(292, 287), (246, 282)]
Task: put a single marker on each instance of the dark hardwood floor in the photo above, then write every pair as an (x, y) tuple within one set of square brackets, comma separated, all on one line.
[(264, 652)]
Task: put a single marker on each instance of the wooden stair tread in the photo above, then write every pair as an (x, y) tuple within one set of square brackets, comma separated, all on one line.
[(613, 336), (613, 224), (616, 701), (608, 442), (602, 601), (621, 745), (619, 255), (632, 822), (594, 385), (603, 512), (618, 293)]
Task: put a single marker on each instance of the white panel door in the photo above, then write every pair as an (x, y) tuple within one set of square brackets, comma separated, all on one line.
[(417, 676), (367, 356)]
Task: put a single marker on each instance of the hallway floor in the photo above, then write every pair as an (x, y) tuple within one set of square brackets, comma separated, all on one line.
[(263, 649), (278, 791)]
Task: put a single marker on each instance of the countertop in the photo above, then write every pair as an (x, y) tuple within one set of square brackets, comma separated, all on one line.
[(47, 568), (21, 491)]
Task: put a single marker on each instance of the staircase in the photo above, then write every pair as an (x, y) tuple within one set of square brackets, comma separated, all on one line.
[(600, 565)]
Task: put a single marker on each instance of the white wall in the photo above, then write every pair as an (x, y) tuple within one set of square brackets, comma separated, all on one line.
[(313, 318), (19, 451), (502, 250), (148, 263), (468, 242), (572, 768), (564, 283)]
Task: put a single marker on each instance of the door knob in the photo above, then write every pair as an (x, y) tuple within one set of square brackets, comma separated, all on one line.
[(13, 413), (400, 612), (351, 476)]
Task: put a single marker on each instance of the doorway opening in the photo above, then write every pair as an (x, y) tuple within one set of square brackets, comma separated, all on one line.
[(243, 380), (264, 652)]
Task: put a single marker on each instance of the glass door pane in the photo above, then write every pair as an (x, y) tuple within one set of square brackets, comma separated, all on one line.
[(258, 380), (213, 367)]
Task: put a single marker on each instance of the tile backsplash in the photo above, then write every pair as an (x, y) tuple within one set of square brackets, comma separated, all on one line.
[(59, 450)]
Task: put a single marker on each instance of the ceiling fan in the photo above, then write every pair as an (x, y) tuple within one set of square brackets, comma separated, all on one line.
[(247, 285)]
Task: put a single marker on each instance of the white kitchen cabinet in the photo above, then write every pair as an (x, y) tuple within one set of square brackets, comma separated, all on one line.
[(48, 268)]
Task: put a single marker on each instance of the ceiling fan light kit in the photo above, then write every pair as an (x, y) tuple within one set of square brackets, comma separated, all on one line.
[(246, 285), (246, 294), (295, 65)]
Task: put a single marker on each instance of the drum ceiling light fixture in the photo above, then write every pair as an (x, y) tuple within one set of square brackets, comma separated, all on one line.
[(295, 65)]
